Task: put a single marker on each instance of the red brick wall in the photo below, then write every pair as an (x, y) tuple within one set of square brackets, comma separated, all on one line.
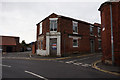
[(116, 32), (38, 28), (14, 48), (83, 44), (106, 35), (46, 28)]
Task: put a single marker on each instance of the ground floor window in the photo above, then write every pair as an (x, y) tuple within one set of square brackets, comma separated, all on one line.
[(75, 42), (41, 44)]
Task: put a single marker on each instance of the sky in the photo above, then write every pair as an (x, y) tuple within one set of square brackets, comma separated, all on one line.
[(19, 17)]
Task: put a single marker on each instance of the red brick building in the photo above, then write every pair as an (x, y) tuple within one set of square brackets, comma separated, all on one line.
[(59, 35), (110, 25), (10, 43)]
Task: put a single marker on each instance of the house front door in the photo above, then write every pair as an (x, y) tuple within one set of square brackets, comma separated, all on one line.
[(53, 46), (92, 46)]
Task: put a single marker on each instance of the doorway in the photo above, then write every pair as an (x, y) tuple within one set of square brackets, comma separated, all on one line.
[(92, 46), (53, 46), (9, 49)]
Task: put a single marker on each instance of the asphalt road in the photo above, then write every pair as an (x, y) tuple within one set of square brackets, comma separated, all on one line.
[(48, 69)]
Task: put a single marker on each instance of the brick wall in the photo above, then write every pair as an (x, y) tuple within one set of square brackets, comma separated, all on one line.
[(106, 35), (83, 43), (65, 27)]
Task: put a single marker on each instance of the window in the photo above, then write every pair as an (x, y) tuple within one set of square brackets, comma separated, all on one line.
[(41, 28), (99, 31), (75, 27), (41, 44), (99, 43), (91, 30), (53, 24), (75, 42)]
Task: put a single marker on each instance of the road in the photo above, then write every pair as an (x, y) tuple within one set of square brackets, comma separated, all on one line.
[(48, 69)]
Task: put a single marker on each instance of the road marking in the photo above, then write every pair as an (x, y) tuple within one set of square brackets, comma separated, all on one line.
[(94, 65), (86, 65), (36, 75), (77, 63), (85, 58), (69, 62), (5, 65)]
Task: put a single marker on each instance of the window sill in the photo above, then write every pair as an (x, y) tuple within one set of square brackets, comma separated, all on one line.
[(53, 31), (91, 35), (75, 33), (75, 46)]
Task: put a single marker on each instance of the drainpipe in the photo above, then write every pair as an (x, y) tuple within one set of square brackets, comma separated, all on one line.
[(112, 45), (64, 43)]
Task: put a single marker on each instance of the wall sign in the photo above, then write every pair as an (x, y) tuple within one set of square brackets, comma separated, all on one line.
[(54, 46)]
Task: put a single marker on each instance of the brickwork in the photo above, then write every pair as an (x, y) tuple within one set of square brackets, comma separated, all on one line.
[(65, 27), (10, 44), (106, 34)]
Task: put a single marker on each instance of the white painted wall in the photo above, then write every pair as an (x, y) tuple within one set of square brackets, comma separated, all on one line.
[(53, 35), (48, 36), (41, 52)]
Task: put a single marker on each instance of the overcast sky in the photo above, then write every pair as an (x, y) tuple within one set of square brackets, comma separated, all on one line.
[(19, 17)]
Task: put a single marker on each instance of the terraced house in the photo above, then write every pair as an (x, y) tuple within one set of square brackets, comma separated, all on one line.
[(59, 35)]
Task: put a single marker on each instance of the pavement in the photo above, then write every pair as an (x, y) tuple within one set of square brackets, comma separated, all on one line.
[(29, 55), (115, 70), (107, 68)]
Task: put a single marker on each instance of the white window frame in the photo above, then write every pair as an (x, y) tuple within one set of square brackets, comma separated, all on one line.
[(40, 30), (53, 26), (77, 41), (74, 22)]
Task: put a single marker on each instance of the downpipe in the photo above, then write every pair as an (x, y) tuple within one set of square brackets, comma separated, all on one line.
[(112, 45)]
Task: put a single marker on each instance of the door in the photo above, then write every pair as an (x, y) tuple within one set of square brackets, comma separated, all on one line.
[(9, 49), (92, 46), (53, 46)]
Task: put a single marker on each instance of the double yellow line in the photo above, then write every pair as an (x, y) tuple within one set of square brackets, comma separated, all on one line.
[(94, 65)]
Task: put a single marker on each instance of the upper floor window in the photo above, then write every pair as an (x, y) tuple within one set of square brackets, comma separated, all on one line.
[(91, 30), (41, 28), (99, 31), (75, 27), (53, 24)]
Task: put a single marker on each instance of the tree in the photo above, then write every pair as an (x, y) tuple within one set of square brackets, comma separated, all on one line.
[(23, 43)]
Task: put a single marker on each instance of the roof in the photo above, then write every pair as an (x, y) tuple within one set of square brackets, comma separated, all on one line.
[(67, 18), (107, 2), (8, 40)]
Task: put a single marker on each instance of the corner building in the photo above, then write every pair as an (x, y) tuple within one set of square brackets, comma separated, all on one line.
[(58, 35)]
